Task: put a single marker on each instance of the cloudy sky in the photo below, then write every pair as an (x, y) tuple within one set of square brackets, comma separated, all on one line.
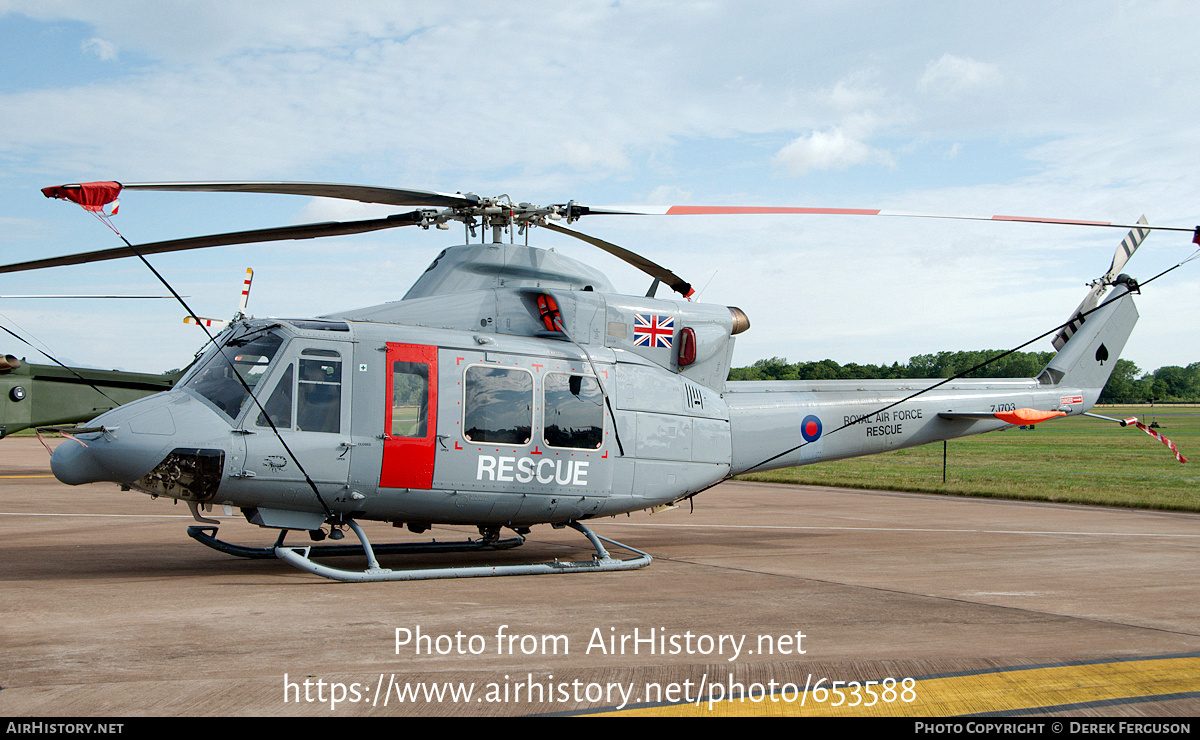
[(1082, 110)]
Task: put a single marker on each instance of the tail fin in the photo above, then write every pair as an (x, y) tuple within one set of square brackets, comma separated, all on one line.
[(1087, 359)]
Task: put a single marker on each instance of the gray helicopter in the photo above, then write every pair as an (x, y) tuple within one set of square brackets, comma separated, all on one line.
[(512, 386)]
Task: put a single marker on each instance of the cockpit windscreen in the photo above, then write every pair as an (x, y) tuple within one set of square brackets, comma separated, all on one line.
[(217, 381)]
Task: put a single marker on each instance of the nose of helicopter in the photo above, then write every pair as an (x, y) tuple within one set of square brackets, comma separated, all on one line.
[(134, 438), (74, 463)]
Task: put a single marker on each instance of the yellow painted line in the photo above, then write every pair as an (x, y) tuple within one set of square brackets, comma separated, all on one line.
[(26, 476), (999, 691)]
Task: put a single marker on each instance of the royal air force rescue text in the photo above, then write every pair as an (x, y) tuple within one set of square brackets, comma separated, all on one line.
[(885, 422)]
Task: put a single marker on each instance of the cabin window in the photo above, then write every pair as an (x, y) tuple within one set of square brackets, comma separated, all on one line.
[(410, 399), (319, 393), (573, 412), (497, 405)]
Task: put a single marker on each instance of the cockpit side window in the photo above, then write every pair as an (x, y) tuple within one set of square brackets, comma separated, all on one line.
[(319, 394), (279, 405)]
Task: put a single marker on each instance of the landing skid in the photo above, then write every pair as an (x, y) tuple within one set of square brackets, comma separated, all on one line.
[(600, 562), (207, 536)]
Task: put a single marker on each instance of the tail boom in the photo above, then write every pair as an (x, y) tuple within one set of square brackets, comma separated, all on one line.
[(786, 423)]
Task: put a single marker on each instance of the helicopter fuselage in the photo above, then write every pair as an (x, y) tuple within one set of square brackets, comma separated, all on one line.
[(512, 387)]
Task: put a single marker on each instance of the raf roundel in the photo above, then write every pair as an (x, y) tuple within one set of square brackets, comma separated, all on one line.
[(810, 428)]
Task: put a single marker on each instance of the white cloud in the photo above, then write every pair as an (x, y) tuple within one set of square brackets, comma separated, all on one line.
[(835, 148), (669, 195), (952, 75), (105, 50), (858, 91)]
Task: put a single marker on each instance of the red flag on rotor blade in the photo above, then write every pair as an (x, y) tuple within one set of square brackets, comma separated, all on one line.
[(91, 195)]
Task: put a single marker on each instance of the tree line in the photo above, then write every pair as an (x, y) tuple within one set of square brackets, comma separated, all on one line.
[(1128, 383)]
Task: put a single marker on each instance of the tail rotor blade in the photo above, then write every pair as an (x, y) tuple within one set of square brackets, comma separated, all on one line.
[(245, 291), (201, 321), (1077, 318), (1125, 250)]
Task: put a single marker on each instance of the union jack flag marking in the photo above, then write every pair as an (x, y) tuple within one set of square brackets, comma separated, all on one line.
[(650, 330)]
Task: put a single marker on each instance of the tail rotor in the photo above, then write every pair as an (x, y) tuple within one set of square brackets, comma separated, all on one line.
[(241, 312), (1125, 250)]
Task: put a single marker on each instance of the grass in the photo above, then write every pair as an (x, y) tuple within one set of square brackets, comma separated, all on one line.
[(1074, 460)]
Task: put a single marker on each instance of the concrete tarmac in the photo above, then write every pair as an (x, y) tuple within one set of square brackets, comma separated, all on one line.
[(764, 599)]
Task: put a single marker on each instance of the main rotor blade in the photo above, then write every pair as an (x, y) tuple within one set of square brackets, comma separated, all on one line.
[(361, 193), (579, 210), (653, 269), (44, 295), (306, 231)]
